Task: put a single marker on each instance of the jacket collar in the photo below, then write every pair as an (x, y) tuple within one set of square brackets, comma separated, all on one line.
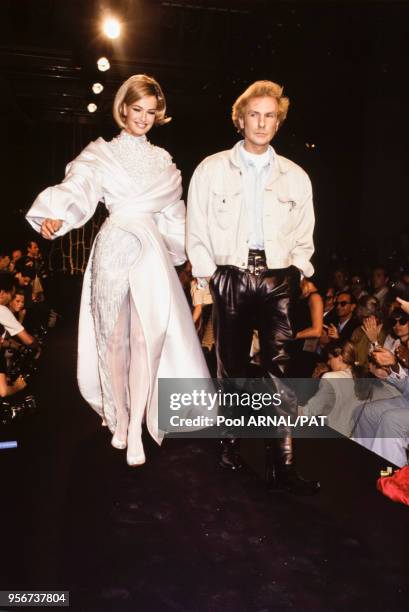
[(281, 165)]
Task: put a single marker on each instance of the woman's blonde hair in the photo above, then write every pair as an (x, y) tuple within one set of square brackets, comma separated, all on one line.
[(260, 89), (132, 90)]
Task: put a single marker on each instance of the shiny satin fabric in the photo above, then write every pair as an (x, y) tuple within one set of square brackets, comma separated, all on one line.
[(243, 302)]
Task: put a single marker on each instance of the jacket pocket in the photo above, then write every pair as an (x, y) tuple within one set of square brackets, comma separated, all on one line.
[(287, 211), (225, 209)]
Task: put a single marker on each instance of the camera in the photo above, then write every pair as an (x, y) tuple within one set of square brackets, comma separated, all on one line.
[(9, 411)]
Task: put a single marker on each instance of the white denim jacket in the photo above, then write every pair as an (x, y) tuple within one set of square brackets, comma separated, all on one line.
[(217, 221)]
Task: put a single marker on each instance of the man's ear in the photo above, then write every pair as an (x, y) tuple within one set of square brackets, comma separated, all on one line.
[(241, 123)]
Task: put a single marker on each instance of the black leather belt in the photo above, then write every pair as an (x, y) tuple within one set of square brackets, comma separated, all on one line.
[(256, 263)]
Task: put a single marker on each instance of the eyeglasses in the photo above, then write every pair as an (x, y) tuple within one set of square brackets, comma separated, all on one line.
[(400, 320), (329, 297), (342, 303)]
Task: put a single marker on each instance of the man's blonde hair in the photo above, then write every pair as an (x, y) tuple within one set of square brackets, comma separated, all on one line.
[(260, 89), (132, 90)]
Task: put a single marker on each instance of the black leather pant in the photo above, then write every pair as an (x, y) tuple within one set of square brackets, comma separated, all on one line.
[(243, 301)]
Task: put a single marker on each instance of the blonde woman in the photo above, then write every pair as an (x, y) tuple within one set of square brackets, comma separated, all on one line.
[(135, 324)]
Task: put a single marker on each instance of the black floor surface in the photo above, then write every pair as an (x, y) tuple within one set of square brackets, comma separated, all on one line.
[(180, 534)]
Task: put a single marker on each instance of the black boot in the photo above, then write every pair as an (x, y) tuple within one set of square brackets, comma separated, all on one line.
[(230, 454), (286, 477)]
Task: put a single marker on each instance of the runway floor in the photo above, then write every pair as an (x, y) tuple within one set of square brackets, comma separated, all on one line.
[(180, 534)]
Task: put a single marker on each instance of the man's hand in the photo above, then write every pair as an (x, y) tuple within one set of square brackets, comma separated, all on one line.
[(381, 373), (384, 358), (49, 227), (333, 332)]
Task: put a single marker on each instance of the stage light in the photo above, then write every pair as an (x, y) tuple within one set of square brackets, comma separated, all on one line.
[(92, 107), (103, 64), (8, 444), (111, 27), (97, 88)]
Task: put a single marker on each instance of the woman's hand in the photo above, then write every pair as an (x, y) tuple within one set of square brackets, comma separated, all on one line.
[(371, 328), (49, 227)]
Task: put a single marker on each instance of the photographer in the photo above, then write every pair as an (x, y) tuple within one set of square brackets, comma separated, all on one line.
[(8, 322), (5, 388)]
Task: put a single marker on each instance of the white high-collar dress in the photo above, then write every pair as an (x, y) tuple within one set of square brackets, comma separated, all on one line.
[(135, 325)]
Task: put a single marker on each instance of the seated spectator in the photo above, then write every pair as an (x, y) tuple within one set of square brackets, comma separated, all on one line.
[(379, 283), (399, 325), (334, 398), (358, 286), (383, 425), (329, 314), (345, 305), (343, 392), (7, 389), (8, 321), (17, 306), (24, 277), (16, 255), (371, 333), (34, 260), (4, 261), (340, 279)]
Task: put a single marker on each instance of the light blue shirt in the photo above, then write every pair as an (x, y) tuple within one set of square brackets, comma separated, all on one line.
[(257, 169)]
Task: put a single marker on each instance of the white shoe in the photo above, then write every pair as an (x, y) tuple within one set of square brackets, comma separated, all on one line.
[(137, 460), (136, 454), (117, 443)]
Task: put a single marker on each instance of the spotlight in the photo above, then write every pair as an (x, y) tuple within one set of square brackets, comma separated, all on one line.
[(103, 64), (92, 107), (111, 27), (97, 88)]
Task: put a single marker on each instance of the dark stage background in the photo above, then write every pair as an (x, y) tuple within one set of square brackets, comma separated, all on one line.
[(343, 65)]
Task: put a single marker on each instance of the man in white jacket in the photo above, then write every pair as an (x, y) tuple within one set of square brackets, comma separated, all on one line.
[(250, 229)]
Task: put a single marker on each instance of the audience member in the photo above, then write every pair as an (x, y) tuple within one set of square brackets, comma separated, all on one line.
[(340, 279), (379, 282), (4, 261), (17, 306), (345, 304), (8, 321), (371, 332), (358, 286)]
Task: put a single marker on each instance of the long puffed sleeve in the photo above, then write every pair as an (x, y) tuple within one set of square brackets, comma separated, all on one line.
[(171, 224), (74, 200)]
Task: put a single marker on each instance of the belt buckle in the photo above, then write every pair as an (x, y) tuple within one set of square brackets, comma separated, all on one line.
[(259, 265)]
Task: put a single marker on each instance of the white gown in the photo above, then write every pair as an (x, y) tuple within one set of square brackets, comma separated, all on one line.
[(135, 325)]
